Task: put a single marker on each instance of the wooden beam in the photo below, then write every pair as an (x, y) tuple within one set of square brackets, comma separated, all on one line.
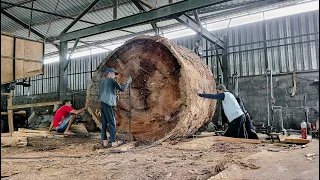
[(237, 140), (19, 112), (10, 114), (296, 140), (33, 105)]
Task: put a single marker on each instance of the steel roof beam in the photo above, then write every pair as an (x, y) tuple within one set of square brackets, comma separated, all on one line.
[(194, 25), (142, 9), (80, 16), (26, 26), (141, 18), (46, 12), (11, 6)]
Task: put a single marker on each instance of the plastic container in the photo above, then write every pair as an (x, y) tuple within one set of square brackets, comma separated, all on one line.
[(303, 130)]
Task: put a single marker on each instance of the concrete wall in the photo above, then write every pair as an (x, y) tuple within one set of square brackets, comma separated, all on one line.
[(254, 93)]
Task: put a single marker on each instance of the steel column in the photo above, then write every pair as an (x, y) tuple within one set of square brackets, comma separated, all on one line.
[(63, 76), (71, 53), (141, 18), (80, 16)]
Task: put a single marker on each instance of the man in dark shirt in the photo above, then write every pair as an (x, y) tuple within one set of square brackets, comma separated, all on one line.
[(64, 117), (108, 88)]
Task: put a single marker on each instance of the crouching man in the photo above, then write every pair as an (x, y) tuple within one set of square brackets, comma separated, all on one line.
[(236, 117), (64, 118)]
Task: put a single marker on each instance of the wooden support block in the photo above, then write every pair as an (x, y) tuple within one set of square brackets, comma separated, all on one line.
[(79, 128), (296, 141), (14, 141), (10, 114), (33, 105), (237, 140), (10, 121)]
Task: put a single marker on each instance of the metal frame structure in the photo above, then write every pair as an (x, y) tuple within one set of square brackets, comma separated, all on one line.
[(176, 11)]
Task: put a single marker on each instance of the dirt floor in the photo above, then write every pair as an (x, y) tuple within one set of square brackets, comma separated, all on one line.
[(190, 159)]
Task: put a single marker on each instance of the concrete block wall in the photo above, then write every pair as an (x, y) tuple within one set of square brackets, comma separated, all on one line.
[(254, 93)]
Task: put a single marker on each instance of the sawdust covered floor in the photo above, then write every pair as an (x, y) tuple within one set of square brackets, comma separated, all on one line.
[(200, 158)]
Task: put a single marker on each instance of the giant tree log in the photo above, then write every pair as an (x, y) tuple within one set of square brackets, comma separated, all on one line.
[(164, 97)]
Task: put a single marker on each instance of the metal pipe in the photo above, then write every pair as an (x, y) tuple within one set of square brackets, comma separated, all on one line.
[(271, 100), (30, 20), (236, 84), (268, 105), (115, 9), (306, 112)]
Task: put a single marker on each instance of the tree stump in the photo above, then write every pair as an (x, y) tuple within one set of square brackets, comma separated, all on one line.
[(164, 100)]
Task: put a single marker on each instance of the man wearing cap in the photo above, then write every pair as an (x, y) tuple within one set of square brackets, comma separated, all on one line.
[(108, 89), (232, 110)]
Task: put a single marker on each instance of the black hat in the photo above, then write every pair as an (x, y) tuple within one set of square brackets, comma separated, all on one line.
[(108, 70)]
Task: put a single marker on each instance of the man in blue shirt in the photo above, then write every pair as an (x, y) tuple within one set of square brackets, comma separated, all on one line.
[(108, 88), (232, 110)]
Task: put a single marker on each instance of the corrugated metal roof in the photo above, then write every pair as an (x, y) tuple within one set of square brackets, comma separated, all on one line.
[(100, 13)]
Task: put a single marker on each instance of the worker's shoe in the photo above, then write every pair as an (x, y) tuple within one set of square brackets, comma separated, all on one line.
[(116, 144)]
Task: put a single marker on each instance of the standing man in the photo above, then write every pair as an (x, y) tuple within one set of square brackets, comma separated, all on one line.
[(64, 118), (232, 110), (108, 89)]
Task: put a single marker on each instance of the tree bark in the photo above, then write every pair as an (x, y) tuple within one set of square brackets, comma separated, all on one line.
[(166, 78)]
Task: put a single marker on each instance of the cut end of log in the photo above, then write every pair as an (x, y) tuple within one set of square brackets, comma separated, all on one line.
[(163, 95)]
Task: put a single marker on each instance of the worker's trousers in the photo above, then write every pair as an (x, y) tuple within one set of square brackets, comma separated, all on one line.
[(237, 128), (107, 117)]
